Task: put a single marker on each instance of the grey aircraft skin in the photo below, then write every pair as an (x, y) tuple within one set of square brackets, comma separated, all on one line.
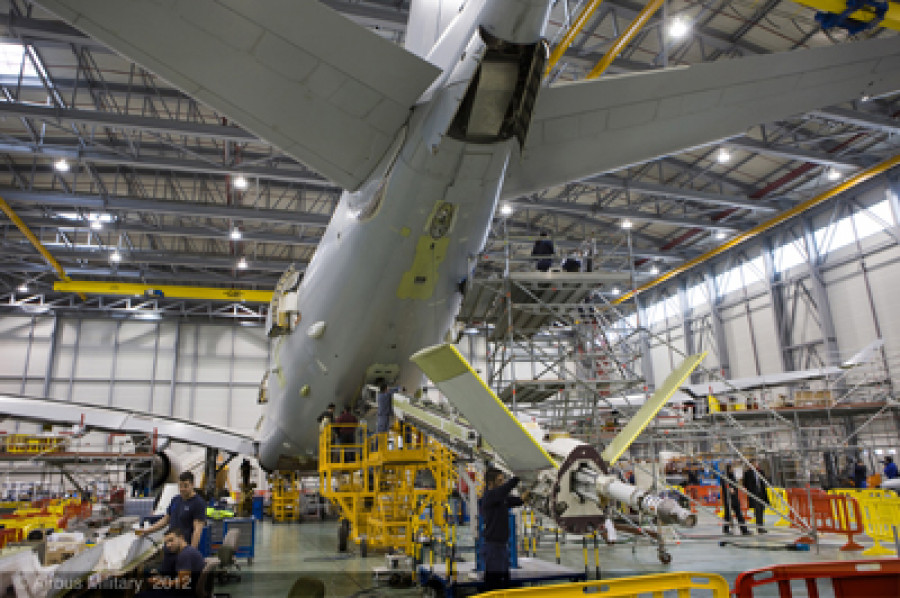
[(365, 281), (428, 149)]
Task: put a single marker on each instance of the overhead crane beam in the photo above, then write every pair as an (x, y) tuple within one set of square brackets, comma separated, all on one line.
[(891, 17), (767, 225), (625, 38), (48, 257), (580, 21), (167, 291)]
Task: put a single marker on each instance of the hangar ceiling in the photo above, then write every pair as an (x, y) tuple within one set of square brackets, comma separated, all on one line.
[(125, 179)]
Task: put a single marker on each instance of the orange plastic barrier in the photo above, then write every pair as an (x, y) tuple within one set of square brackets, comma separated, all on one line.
[(830, 514), (848, 578), (707, 496)]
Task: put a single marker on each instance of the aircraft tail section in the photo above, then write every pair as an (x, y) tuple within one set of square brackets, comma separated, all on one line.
[(428, 19)]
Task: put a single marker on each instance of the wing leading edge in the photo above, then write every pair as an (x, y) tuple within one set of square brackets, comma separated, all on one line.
[(586, 128), (297, 74)]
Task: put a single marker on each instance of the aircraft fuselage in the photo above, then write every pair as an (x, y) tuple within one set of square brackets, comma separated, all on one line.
[(386, 278)]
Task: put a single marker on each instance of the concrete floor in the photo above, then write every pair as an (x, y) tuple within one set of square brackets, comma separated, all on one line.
[(285, 552)]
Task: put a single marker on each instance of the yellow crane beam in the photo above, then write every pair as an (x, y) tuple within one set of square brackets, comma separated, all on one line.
[(168, 291), (625, 38), (856, 179), (891, 18), (580, 21), (48, 257)]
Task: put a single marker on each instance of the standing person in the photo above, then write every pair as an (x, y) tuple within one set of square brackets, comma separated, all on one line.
[(346, 432), (757, 494), (859, 474), (890, 469), (180, 577), (385, 402), (494, 506), (187, 512), (731, 501), (543, 246)]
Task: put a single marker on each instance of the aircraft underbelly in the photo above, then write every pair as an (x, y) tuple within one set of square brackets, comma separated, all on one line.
[(384, 285)]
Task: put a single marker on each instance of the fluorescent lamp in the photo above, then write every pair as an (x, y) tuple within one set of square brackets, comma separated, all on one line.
[(115, 256), (240, 183), (236, 234), (61, 165), (22, 288), (242, 264), (724, 156), (626, 224), (720, 234), (833, 174), (506, 209), (616, 292), (96, 225)]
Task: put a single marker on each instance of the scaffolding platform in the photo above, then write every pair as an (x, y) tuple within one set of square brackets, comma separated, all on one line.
[(808, 413), (532, 391), (534, 296), (529, 571)]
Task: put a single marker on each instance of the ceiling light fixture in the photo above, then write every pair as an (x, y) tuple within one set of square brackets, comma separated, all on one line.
[(242, 264), (616, 292), (240, 183), (833, 174), (506, 209), (626, 224), (236, 234), (724, 156), (61, 165), (654, 270), (96, 225), (679, 27), (115, 256), (22, 288), (720, 234)]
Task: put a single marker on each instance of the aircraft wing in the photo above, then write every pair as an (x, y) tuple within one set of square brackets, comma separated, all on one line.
[(453, 375), (295, 73), (586, 128)]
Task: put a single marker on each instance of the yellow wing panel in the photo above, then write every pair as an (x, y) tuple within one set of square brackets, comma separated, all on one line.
[(648, 410), (453, 375)]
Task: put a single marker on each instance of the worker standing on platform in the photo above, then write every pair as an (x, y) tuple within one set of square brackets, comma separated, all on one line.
[(346, 433), (494, 506), (543, 246)]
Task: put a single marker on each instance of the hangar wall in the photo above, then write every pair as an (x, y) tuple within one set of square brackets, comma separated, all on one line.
[(207, 372)]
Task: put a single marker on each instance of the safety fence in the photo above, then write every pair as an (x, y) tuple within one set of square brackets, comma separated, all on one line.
[(827, 513), (847, 578)]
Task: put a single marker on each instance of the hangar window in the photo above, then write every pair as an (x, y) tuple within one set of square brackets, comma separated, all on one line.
[(13, 61), (788, 255), (873, 220)]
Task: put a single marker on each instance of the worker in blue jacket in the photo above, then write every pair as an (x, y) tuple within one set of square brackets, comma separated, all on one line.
[(495, 505), (890, 468)]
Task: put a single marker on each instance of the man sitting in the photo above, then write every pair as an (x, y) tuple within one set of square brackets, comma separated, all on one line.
[(182, 579)]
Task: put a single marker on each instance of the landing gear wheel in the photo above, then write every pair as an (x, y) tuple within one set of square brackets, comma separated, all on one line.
[(665, 558)]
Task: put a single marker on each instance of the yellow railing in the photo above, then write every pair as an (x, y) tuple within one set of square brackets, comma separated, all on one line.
[(685, 583)]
